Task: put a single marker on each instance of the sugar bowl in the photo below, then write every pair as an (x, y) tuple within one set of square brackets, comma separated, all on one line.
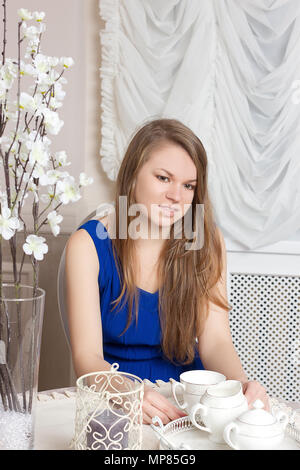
[(256, 429)]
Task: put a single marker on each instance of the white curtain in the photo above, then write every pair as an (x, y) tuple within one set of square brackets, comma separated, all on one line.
[(229, 69)]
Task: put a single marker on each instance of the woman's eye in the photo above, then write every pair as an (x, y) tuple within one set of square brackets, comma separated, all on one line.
[(165, 179), (162, 178), (191, 187)]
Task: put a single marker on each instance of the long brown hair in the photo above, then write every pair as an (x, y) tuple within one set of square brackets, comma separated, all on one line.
[(186, 277)]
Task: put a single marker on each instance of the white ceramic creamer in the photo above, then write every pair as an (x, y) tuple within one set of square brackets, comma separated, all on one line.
[(219, 405)]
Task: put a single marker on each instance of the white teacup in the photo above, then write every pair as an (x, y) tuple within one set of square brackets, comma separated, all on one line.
[(219, 405), (193, 385)]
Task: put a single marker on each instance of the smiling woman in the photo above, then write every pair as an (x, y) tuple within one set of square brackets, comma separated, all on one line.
[(155, 305)]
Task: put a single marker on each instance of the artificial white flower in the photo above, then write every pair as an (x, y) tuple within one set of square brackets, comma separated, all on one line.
[(59, 92), (11, 110), (48, 79), (44, 179), (62, 80), (31, 32), (52, 122), (8, 73), (67, 62), (27, 69), (13, 151), (24, 14), (31, 185), (54, 219), (8, 223), (6, 141), (23, 28), (32, 48), (49, 197), (52, 177), (68, 191), (38, 172), (41, 63), (22, 174), (34, 136), (21, 227), (23, 157), (38, 16), (41, 28), (27, 102), (54, 104), (61, 158), (53, 61), (85, 180), (2, 90), (38, 154), (35, 245)]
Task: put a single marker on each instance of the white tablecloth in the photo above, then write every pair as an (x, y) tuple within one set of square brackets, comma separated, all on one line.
[(55, 418)]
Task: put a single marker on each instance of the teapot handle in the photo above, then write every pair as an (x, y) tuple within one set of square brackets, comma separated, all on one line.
[(226, 435), (282, 418)]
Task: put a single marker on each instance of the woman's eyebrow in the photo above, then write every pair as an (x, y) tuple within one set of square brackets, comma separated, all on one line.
[(170, 174)]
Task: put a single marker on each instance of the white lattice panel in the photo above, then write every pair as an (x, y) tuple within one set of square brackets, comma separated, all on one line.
[(265, 327)]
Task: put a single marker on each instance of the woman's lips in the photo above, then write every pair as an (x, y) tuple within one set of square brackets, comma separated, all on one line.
[(167, 211)]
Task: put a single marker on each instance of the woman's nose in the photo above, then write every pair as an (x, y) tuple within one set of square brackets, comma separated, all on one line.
[(174, 193)]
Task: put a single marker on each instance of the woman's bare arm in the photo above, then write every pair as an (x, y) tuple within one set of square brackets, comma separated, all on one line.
[(83, 304), (216, 348)]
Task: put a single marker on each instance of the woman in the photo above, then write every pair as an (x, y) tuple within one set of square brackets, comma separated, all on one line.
[(162, 298)]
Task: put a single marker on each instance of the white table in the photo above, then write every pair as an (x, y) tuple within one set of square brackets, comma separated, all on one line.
[(55, 418)]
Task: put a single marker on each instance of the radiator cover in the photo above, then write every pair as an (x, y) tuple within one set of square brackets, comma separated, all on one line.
[(265, 328)]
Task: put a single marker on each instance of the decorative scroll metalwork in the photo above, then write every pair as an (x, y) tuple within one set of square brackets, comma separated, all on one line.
[(109, 411)]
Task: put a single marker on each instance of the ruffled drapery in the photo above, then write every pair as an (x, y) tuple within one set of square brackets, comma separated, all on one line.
[(229, 69)]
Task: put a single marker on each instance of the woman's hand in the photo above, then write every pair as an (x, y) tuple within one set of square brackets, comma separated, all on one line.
[(155, 404), (254, 390)]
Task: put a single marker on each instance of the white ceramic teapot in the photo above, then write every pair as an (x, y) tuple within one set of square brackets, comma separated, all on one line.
[(256, 429)]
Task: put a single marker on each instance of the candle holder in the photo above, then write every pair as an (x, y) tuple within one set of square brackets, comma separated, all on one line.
[(108, 411)]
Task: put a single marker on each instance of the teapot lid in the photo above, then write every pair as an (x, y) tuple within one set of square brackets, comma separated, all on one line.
[(258, 415)]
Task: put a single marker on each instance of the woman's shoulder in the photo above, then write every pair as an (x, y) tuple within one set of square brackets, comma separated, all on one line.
[(82, 238), (91, 228), (80, 250), (104, 221)]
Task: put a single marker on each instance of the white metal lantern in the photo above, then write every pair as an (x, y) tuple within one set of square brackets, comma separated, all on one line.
[(109, 411)]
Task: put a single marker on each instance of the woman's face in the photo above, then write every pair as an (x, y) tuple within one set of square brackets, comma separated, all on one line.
[(165, 184)]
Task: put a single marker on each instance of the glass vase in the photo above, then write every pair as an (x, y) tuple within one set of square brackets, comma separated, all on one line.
[(21, 321)]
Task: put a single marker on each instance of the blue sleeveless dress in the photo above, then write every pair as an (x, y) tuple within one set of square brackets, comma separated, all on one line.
[(138, 350)]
